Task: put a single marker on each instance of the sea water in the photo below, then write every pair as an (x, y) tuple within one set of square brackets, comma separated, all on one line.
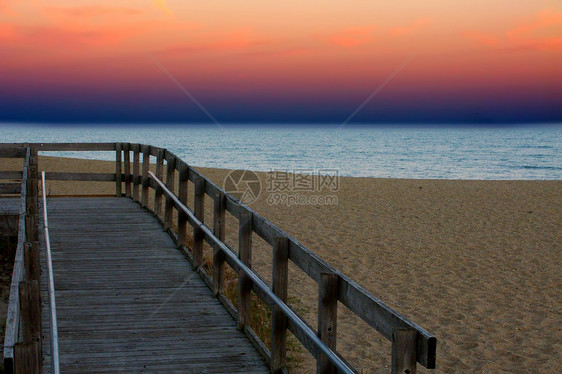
[(518, 152)]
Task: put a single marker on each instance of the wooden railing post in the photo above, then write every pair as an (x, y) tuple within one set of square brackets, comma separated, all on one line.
[(118, 147), (182, 196), (136, 167), (278, 319), (31, 261), (127, 162), (28, 353), (27, 358), (245, 255), (170, 180), (144, 180), (158, 190), (404, 351), (327, 317), (219, 216), (32, 210), (30, 306), (199, 211)]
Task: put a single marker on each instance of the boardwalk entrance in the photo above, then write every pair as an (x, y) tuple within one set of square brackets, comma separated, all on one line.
[(129, 301)]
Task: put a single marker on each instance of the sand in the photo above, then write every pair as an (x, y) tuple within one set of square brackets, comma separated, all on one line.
[(476, 263)]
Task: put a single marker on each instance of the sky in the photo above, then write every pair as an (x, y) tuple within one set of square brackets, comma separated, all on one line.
[(358, 61)]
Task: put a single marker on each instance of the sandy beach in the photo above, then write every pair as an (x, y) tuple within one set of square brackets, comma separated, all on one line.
[(477, 263)]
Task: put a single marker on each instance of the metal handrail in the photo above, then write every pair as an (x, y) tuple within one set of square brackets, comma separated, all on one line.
[(310, 334), (52, 305)]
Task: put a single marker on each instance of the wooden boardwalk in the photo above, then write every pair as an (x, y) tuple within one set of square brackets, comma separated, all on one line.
[(128, 300)]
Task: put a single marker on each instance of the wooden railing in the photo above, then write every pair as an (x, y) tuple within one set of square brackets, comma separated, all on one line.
[(411, 344), (22, 341)]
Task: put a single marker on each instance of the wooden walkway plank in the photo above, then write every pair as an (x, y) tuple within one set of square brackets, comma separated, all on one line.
[(128, 300)]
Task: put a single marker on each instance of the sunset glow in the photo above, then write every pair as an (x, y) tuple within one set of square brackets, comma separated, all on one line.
[(285, 61)]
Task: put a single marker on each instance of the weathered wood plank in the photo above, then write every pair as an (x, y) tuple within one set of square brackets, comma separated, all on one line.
[(74, 146), (157, 188), (170, 182), (182, 196), (279, 287), (30, 307), (118, 151), (12, 152), (31, 261), (404, 351), (27, 358), (90, 177), (10, 188), (199, 211), (244, 282), (144, 180), (10, 174), (155, 151), (127, 165), (327, 318), (219, 230), (136, 176)]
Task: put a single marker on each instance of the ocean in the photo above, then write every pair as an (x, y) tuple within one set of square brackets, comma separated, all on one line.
[(511, 153)]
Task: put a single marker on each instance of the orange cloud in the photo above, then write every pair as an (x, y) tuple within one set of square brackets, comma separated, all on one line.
[(543, 32), (544, 20), (484, 39), (93, 11), (412, 28), (67, 37), (353, 37)]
